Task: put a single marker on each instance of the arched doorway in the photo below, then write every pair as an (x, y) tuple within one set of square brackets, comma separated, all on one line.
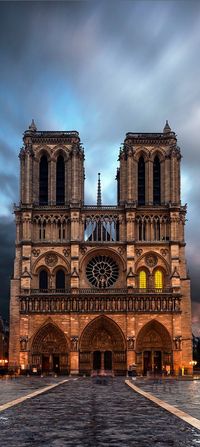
[(154, 348), (102, 347), (49, 351)]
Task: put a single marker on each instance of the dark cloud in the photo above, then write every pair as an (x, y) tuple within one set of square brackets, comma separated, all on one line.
[(103, 68), (7, 241)]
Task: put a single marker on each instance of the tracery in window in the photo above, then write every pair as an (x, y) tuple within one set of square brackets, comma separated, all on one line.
[(102, 271)]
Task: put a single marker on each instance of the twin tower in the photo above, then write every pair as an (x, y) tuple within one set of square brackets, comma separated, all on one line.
[(99, 287)]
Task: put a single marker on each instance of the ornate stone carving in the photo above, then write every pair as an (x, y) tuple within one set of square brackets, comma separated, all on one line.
[(35, 252), (102, 271), (66, 252), (121, 250), (151, 260), (131, 343), (74, 343), (138, 251), (102, 340), (23, 343), (164, 251), (177, 342), (83, 250), (51, 259)]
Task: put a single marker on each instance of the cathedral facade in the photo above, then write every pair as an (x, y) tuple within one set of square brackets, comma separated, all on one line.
[(100, 287)]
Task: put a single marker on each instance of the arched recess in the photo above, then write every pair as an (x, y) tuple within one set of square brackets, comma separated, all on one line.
[(156, 181), (102, 335), (154, 348), (43, 180), (50, 350), (60, 279), (141, 181), (43, 279), (60, 180)]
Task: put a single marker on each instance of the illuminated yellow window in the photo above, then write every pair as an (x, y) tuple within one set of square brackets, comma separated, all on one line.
[(142, 280), (158, 279)]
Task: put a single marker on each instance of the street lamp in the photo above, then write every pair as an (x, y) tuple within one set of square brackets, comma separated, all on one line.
[(193, 363)]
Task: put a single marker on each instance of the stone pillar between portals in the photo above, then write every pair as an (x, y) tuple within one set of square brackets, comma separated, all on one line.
[(74, 363), (131, 358)]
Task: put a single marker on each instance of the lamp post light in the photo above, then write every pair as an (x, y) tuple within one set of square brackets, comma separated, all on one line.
[(193, 363)]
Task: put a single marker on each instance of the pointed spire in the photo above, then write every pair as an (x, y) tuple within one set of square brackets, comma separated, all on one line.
[(167, 128), (33, 126), (99, 190)]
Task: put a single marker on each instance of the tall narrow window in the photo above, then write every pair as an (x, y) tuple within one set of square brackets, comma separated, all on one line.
[(141, 181), (60, 279), (156, 181), (60, 181), (158, 280), (43, 181), (142, 279), (43, 280)]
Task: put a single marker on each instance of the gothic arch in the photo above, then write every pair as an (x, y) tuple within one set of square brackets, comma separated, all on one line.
[(98, 324), (161, 262), (159, 152), (142, 152), (102, 335), (49, 338), (153, 335), (60, 150), (50, 349), (43, 150), (37, 264)]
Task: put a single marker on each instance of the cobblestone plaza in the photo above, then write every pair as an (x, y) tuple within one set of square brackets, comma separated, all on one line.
[(85, 413)]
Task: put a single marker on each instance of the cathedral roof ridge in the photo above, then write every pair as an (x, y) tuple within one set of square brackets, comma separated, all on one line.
[(52, 133)]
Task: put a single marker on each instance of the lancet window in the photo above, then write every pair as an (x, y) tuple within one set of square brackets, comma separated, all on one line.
[(51, 228), (43, 280), (142, 279), (60, 279), (156, 181), (141, 181), (101, 228), (152, 228), (60, 181), (158, 279), (43, 181)]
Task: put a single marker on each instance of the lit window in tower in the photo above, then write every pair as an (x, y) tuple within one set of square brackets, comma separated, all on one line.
[(142, 279), (158, 278)]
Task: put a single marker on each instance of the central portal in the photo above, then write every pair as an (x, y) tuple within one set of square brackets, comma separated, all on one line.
[(102, 347), (102, 360)]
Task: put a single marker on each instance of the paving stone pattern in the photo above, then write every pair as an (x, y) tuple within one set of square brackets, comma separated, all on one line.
[(11, 389), (184, 395), (84, 413)]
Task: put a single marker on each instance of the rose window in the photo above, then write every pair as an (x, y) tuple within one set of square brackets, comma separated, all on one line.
[(102, 271)]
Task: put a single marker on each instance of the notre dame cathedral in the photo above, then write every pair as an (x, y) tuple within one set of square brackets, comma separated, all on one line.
[(98, 287)]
